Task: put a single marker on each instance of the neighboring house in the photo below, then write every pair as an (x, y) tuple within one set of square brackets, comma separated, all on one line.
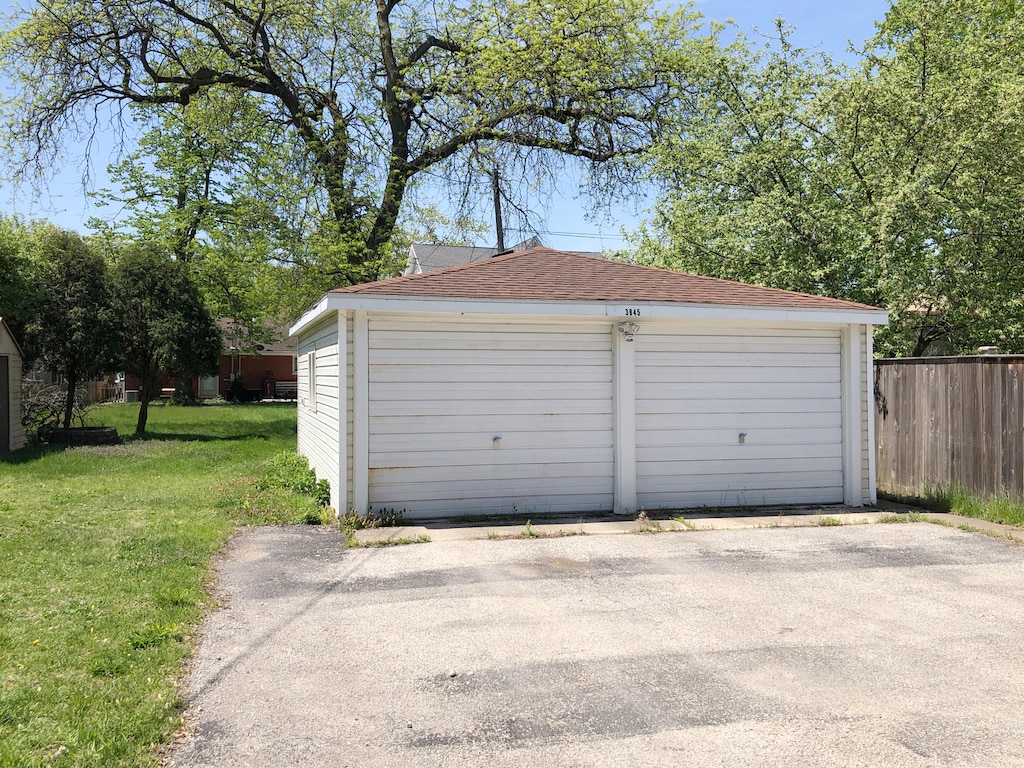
[(12, 434), (424, 257), (544, 381), (267, 369)]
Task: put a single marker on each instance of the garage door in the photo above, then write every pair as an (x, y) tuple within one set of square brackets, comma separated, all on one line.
[(489, 418), (727, 418)]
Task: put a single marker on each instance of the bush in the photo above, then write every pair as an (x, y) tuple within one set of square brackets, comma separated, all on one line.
[(186, 399), (240, 391), (291, 471), (237, 392)]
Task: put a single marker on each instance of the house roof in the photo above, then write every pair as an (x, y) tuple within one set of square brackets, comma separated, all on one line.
[(424, 257), (544, 274), (431, 257), (7, 328), (278, 340)]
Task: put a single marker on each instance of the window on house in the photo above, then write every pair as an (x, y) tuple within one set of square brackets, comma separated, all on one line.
[(295, 364)]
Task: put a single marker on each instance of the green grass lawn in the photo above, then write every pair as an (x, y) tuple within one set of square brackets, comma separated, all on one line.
[(104, 562)]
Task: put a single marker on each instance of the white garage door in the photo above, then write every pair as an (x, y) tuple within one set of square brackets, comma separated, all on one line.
[(489, 418), (735, 418)]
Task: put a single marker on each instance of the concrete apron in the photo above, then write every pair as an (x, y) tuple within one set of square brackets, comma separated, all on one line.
[(658, 522)]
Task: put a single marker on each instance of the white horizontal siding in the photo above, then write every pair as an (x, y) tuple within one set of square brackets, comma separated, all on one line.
[(699, 388), (435, 404), (747, 494), (441, 392), (318, 426)]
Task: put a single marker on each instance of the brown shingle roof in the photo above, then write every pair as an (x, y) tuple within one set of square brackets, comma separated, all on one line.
[(544, 274), (277, 338)]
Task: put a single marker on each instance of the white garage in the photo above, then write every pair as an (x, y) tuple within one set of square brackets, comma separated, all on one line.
[(766, 428), (489, 417), (551, 382)]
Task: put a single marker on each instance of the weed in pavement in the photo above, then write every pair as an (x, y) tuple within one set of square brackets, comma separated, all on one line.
[(904, 517)]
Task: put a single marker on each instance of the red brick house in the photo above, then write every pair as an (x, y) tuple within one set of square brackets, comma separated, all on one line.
[(267, 369)]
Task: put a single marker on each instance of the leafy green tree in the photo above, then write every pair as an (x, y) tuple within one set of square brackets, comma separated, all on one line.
[(933, 126), (165, 327), (19, 291), (751, 189), (362, 99), (898, 183), (203, 185), (72, 328)]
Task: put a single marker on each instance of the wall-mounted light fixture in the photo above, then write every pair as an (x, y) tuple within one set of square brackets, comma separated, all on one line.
[(629, 330)]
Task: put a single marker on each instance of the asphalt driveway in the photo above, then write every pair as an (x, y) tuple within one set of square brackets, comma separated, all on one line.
[(860, 645)]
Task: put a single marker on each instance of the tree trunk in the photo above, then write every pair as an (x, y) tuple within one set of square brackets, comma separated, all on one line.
[(69, 402), (146, 392), (140, 425)]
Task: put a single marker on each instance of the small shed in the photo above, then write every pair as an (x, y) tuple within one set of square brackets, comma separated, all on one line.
[(12, 434), (545, 382)]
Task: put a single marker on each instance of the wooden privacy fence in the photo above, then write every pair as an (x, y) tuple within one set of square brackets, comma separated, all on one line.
[(950, 421)]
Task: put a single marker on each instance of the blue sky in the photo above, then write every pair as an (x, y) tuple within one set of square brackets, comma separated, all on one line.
[(825, 26)]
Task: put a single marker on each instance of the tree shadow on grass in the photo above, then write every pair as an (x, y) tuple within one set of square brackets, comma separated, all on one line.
[(268, 430), (283, 428), (31, 452), (192, 437)]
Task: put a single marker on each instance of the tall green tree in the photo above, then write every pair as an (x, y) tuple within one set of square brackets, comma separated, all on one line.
[(898, 182), (366, 96), (73, 322), (19, 291), (933, 125), (165, 327), (753, 189), (205, 186)]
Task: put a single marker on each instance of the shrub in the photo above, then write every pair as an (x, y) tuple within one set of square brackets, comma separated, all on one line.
[(237, 393), (291, 471), (186, 399)]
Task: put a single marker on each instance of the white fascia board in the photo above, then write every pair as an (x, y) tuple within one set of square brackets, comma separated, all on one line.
[(639, 310), (311, 315)]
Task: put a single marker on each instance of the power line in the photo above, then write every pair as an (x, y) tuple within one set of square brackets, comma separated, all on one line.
[(584, 235)]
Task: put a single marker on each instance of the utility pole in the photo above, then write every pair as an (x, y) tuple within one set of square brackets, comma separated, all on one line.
[(498, 225)]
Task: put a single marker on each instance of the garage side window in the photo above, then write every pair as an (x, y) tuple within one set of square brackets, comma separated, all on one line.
[(311, 367)]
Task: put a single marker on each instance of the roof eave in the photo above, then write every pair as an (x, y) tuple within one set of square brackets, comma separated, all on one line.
[(570, 308)]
